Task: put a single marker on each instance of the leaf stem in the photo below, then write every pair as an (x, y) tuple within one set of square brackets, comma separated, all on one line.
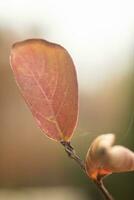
[(99, 183)]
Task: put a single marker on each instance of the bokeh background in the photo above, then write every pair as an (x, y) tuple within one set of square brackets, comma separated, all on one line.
[(100, 37)]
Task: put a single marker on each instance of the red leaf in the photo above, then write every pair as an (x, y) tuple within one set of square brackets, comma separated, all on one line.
[(46, 76)]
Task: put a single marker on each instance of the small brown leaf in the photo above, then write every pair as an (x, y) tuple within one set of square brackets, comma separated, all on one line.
[(103, 159), (46, 76)]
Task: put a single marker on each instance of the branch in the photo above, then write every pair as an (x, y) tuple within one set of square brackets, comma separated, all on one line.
[(72, 154), (104, 191)]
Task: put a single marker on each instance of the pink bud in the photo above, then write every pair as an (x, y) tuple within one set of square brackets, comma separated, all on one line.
[(103, 158)]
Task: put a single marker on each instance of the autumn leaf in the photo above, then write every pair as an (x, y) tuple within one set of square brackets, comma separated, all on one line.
[(46, 76), (103, 158)]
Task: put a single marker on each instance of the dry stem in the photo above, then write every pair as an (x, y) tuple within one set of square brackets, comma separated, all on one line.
[(99, 183)]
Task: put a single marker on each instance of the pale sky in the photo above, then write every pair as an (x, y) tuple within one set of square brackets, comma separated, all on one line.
[(99, 34)]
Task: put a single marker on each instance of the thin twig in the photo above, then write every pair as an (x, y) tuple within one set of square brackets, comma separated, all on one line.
[(72, 154), (103, 189), (99, 183)]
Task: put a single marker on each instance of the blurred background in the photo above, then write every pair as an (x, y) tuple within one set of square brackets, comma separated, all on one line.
[(99, 35)]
